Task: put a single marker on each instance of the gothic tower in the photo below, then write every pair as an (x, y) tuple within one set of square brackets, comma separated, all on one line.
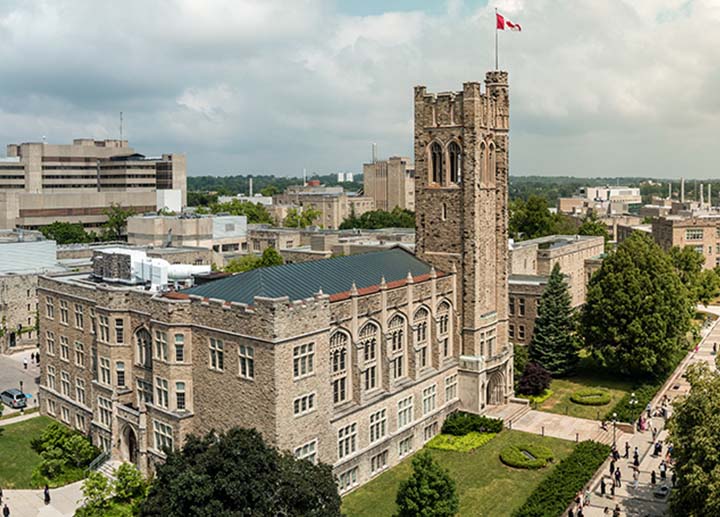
[(461, 199)]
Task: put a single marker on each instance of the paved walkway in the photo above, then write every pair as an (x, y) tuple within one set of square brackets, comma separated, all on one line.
[(29, 503), (565, 427), (641, 501)]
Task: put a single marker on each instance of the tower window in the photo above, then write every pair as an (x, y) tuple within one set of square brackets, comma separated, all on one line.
[(455, 156), (436, 162)]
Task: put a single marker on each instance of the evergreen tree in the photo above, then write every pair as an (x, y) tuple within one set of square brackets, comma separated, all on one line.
[(554, 343), (428, 492), (637, 311)]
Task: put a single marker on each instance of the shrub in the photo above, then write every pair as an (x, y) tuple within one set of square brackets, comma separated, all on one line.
[(64, 452), (429, 490), (466, 443), (460, 424), (535, 379), (553, 495), (514, 456), (539, 399), (129, 483), (591, 397)]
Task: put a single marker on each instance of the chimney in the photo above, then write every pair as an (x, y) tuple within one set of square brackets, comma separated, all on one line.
[(670, 190), (682, 190), (702, 199), (709, 199), (250, 186)]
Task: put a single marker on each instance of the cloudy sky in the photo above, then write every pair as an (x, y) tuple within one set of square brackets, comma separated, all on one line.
[(598, 87)]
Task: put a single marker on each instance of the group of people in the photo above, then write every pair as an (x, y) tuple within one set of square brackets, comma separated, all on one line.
[(6, 508), (34, 359)]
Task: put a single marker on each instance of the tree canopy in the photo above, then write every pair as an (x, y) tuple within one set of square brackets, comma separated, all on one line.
[(695, 433), (114, 228), (637, 310), (554, 343), (534, 380), (255, 212), (397, 218), (702, 284), (428, 492), (301, 218), (269, 257), (67, 233), (237, 473), (592, 226), (532, 219)]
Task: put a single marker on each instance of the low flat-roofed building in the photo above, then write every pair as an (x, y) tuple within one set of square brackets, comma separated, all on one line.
[(702, 233), (221, 233)]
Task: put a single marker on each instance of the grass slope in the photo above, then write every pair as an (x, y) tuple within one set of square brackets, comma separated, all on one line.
[(17, 459)]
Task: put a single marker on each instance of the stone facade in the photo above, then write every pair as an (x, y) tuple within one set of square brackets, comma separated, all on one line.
[(18, 306), (700, 233)]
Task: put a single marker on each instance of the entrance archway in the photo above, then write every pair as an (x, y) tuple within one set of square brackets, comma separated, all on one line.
[(495, 391), (130, 449)]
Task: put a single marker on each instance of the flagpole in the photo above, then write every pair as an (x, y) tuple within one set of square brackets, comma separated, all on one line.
[(496, 41)]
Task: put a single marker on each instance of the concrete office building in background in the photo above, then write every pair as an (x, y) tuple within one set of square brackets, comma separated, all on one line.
[(390, 183), (42, 183)]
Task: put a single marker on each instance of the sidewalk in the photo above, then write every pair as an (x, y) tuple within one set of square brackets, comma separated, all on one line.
[(29, 503), (641, 502)]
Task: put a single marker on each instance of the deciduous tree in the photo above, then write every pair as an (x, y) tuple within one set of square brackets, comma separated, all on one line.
[(428, 492), (66, 233), (535, 379)]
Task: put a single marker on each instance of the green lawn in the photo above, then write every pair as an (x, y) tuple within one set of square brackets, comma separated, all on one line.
[(17, 459), (588, 375), (486, 486)]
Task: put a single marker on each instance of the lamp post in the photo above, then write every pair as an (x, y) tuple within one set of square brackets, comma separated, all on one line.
[(614, 427), (632, 403)]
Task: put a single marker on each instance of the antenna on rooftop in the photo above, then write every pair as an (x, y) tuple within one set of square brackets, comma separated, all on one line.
[(304, 177), (121, 127), (374, 152)]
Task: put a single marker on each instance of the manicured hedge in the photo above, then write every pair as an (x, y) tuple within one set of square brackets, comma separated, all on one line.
[(460, 424), (513, 456), (538, 399), (553, 495), (591, 397), (466, 443)]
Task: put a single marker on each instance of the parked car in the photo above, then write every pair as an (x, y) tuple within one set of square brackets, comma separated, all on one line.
[(14, 398)]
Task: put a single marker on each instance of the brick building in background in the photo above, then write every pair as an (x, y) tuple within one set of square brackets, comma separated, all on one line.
[(354, 361)]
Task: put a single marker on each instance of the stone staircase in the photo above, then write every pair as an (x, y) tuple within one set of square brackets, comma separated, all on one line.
[(509, 413), (107, 469)]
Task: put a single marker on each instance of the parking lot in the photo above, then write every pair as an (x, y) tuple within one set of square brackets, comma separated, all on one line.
[(12, 372)]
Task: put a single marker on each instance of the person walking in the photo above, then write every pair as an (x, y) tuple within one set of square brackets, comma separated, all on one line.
[(6, 511), (612, 467), (653, 477), (616, 511), (606, 511), (636, 479), (612, 490), (663, 470), (602, 486), (627, 450), (580, 512), (25, 361), (618, 476), (648, 409), (636, 461), (586, 497), (654, 433), (673, 478), (46, 493), (571, 513)]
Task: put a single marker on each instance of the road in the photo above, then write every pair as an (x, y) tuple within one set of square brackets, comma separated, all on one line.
[(12, 372)]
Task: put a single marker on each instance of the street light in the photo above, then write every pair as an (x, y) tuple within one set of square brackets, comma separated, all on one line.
[(632, 403), (614, 438)]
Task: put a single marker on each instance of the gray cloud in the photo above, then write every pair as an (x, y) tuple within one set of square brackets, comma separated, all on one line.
[(597, 88)]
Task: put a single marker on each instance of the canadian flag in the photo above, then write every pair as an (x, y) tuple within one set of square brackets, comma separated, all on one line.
[(503, 23)]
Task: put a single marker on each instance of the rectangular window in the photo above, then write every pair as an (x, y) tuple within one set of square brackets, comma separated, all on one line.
[(307, 451), (429, 431), (79, 354), (179, 348), (521, 306), (119, 330), (699, 249), (144, 391), (347, 440), (397, 367), (348, 479), (51, 377), (451, 387), (65, 412), (50, 342), (51, 407), (217, 354), (378, 425), (80, 422), (405, 412), (370, 378), (511, 331), (64, 349), (92, 321), (105, 371), (694, 234), (422, 357), (405, 446), (63, 312), (511, 308), (105, 410), (246, 358), (104, 328), (161, 390), (446, 347), (163, 435), (304, 404), (80, 390), (79, 323), (180, 396), (161, 346), (50, 307), (120, 373), (303, 360), (378, 462), (339, 391), (65, 383), (429, 395), (521, 332)]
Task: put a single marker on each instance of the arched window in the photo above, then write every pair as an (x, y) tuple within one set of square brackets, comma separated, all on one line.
[(436, 163), (396, 330), (338, 364), (143, 345), (455, 159), (420, 324), (368, 342), (443, 328)]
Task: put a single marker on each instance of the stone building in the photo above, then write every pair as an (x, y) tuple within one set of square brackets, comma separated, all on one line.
[(333, 203), (531, 263), (354, 361), (701, 233), (391, 183), (42, 183), (222, 233)]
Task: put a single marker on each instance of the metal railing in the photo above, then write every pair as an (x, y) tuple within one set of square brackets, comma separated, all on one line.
[(98, 461)]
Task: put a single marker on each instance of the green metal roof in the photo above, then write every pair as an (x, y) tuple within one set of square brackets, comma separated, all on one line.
[(304, 279)]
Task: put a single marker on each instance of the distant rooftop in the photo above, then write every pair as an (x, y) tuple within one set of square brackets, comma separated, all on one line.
[(553, 241), (303, 280)]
